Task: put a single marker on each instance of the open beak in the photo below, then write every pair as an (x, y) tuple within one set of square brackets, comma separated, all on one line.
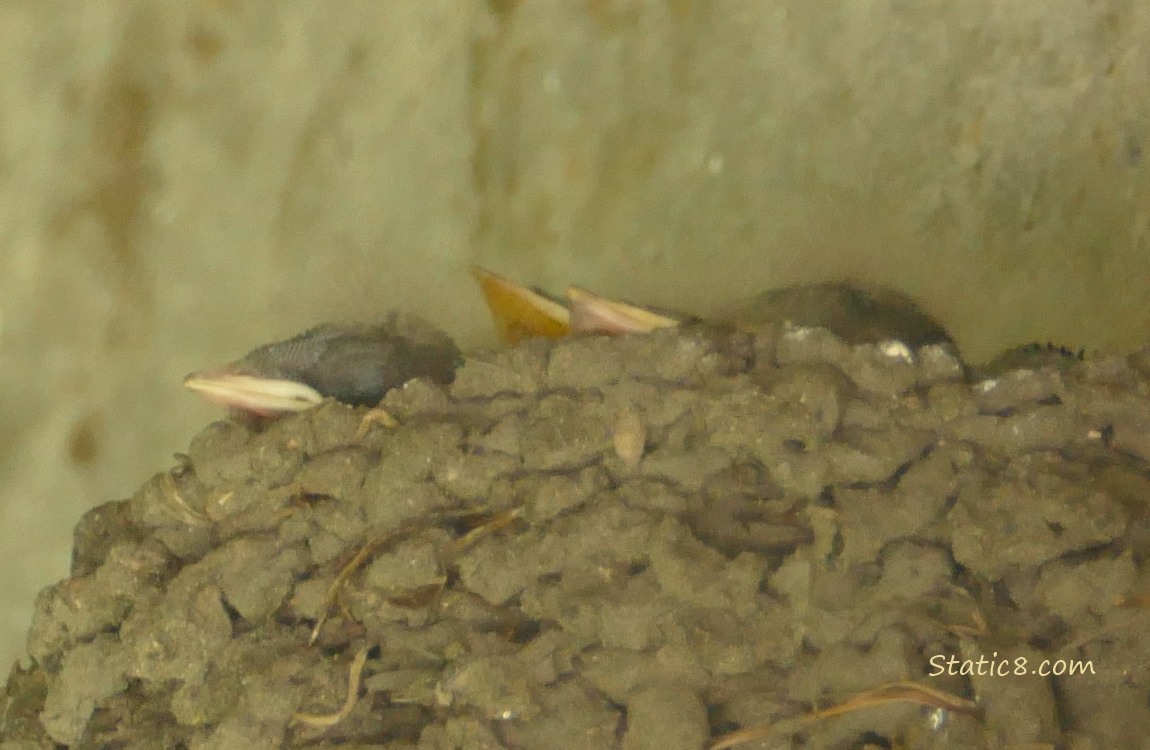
[(591, 313), (520, 312), (265, 397)]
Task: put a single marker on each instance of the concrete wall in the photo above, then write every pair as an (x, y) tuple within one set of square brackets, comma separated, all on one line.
[(180, 181)]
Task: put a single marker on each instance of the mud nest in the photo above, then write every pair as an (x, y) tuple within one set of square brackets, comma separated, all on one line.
[(640, 542)]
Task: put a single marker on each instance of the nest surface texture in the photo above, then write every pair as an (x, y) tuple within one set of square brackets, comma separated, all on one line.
[(639, 542)]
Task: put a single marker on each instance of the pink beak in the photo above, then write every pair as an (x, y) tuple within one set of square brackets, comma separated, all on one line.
[(265, 397)]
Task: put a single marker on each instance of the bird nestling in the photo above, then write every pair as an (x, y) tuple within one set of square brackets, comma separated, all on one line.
[(356, 364), (856, 313)]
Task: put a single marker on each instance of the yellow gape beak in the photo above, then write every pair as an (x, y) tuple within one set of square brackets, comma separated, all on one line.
[(521, 313)]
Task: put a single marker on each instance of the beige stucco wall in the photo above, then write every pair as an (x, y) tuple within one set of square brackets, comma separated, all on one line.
[(182, 180)]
